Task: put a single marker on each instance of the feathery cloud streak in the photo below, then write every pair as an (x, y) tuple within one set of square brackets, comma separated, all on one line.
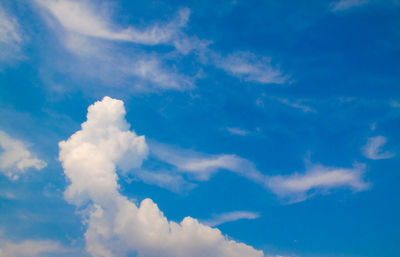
[(11, 39), (373, 149), (229, 217), (292, 188), (83, 23)]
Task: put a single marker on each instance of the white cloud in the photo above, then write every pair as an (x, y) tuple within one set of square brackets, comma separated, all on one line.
[(318, 178), (10, 37), (295, 104), (117, 226), (89, 33), (373, 148), (152, 70), (342, 5), (31, 248), (229, 217), (250, 67), (86, 27), (201, 166), (15, 158), (84, 18), (237, 131), (295, 187)]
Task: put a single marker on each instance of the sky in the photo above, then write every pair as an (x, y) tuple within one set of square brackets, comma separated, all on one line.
[(199, 128)]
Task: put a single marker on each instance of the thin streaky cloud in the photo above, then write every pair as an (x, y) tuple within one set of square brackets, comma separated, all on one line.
[(11, 38), (226, 217), (291, 188), (342, 5), (295, 104), (317, 178), (85, 19), (237, 131), (250, 67), (31, 248), (201, 166), (83, 22), (373, 149), (395, 104)]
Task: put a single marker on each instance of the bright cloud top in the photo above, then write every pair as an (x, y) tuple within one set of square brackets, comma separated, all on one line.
[(15, 158), (373, 149), (117, 226)]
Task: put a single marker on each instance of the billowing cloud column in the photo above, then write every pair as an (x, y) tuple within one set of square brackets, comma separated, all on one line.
[(117, 226)]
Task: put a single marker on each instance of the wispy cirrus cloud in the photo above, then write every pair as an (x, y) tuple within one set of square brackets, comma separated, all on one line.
[(395, 104), (295, 104), (11, 38), (222, 218), (342, 5), (117, 226), (87, 30), (250, 67), (237, 131), (317, 178), (373, 148), (201, 166), (15, 158), (85, 18), (290, 188), (32, 248)]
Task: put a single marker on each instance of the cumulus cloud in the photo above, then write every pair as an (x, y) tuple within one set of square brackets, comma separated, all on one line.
[(15, 158), (250, 67), (318, 178), (115, 225), (342, 5), (373, 149), (31, 248), (229, 217), (10, 37)]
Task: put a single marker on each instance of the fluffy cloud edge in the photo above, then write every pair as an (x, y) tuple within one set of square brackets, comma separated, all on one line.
[(115, 225), (16, 159)]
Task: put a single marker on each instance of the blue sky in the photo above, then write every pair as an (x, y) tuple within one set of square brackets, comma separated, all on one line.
[(199, 128)]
